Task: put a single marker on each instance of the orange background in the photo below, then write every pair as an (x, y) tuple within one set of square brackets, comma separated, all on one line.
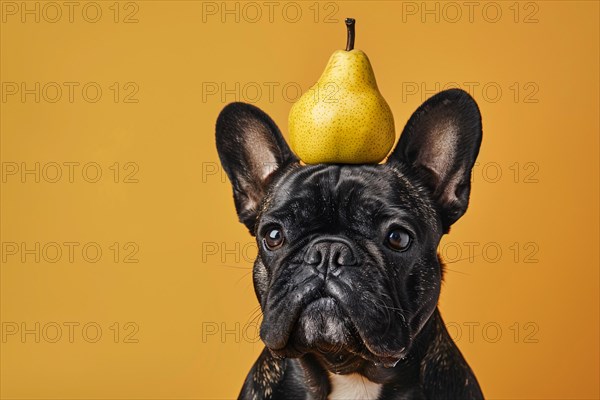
[(533, 69)]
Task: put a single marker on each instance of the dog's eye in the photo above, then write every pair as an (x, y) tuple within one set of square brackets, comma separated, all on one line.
[(398, 239), (273, 238)]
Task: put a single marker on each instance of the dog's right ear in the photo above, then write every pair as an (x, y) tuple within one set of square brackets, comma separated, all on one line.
[(251, 148), (440, 143)]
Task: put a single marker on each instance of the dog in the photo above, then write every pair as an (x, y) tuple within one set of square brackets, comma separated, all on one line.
[(347, 273)]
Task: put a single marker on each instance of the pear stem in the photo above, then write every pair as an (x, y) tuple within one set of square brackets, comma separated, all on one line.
[(350, 25)]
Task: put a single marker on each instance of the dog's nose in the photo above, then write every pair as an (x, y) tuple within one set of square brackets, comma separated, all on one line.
[(330, 252)]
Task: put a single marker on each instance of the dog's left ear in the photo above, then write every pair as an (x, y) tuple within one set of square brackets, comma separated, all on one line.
[(440, 143), (251, 148)]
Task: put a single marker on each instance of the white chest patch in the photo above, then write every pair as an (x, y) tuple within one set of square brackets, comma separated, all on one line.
[(353, 387)]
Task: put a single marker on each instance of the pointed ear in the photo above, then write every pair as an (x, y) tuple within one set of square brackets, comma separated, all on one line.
[(251, 148), (440, 143)]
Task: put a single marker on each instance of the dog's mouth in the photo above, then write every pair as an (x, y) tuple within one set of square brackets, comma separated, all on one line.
[(324, 327)]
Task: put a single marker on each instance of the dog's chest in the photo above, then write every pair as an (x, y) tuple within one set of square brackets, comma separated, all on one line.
[(353, 387)]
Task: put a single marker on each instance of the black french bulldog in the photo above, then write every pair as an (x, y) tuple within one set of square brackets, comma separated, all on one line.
[(347, 274)]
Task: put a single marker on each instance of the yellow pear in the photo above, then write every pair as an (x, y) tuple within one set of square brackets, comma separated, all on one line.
[(343, 118)]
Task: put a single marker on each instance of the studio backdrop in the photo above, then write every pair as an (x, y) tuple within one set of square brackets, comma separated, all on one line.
[(125, 273)]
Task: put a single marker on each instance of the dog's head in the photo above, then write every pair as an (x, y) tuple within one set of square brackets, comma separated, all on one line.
[(347, 262)]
